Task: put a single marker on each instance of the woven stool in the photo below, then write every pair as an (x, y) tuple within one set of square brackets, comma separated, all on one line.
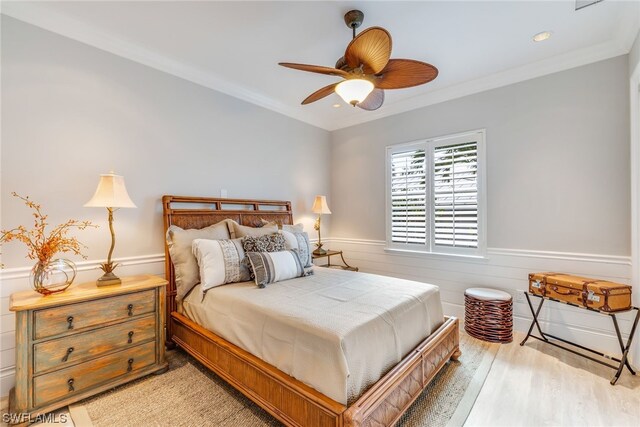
[(488, 314)]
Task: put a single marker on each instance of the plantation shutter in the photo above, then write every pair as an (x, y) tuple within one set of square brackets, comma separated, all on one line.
[(408, 184), (455, 195), (436, 195)]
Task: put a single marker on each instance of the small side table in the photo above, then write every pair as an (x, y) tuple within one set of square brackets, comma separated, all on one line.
[(328, 256), (488, 314)]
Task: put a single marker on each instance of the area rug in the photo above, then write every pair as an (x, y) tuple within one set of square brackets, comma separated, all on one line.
[(189, 395)]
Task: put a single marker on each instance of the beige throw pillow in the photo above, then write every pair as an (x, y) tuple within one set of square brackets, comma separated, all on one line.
[(184, 262), (238, 230), (296, 228)]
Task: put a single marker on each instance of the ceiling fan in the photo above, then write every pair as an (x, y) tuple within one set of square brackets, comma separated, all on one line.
[(366, 68)]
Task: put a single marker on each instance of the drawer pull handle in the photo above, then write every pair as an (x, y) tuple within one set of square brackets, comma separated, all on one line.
[(130, 340), (70, 382), (70, 322), (130, 367), (130, 308), (66, 356)]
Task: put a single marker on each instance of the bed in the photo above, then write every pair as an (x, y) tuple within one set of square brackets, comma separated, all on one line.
[(333, 400)]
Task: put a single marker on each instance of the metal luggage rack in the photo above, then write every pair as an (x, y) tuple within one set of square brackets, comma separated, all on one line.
[(544, 337)]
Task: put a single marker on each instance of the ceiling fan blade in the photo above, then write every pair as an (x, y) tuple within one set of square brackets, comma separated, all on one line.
[(371, 48), (320, 93), (315, 69), (373, 101), (402, 73)]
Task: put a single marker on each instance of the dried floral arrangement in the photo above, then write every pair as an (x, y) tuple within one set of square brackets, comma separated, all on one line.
[(42, 246)]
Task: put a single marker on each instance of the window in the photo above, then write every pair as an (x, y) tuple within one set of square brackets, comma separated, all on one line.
[(436, 195)]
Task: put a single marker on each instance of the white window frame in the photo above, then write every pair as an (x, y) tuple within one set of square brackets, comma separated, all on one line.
[(430, 247)]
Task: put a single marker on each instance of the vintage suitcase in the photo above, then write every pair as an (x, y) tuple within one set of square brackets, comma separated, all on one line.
[(538, 283), (592, 293)]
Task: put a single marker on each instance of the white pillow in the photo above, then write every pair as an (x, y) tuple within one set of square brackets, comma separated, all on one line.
[(220, 262), (271, 267), (299, 241)]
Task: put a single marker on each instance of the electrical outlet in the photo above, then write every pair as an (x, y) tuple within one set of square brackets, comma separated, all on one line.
[(223, 193)]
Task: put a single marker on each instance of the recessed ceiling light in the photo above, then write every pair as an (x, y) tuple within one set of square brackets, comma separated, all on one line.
[(542, 36), (337, 105)]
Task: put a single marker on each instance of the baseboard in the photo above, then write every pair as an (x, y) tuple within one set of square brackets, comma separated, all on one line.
[(7, 380)]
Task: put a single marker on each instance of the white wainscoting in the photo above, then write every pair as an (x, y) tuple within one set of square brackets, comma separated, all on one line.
[(17, 279), (505, 269)]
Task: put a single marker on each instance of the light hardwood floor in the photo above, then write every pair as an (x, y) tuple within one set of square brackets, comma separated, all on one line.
[(539, 385)]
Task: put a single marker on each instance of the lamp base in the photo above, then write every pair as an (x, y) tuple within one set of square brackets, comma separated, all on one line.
[(108, 279), (319, 250)]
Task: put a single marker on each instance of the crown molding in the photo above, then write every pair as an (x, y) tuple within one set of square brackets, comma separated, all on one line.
[(629, 29), (78, 31), (42, 17), (530, 71)]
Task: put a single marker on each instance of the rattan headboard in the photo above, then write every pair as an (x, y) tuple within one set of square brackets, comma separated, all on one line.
[(199, 212)]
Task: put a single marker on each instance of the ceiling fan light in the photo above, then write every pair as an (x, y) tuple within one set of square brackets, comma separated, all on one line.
[(354, 91)]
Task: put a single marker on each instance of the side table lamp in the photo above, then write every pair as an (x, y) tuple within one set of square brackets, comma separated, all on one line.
[(111, 194), (320, 207)]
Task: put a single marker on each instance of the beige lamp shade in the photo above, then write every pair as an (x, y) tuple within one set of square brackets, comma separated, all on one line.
[(111, 193), (320, 205)]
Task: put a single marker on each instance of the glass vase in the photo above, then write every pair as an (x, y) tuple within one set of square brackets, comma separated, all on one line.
[(52, 276)]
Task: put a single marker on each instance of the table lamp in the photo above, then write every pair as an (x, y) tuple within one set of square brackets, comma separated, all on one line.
[(320, 207), (111, 194)]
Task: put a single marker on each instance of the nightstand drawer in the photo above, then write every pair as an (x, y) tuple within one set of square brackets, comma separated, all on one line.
[(66, 382), (69, 318), (72, 349)]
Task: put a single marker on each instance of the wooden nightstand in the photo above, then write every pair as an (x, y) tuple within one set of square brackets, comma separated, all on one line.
[(86, 340), (328, 256)]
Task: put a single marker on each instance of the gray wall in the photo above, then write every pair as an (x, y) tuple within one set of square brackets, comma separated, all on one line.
[(557, 161), (634, 55), (71, 112)]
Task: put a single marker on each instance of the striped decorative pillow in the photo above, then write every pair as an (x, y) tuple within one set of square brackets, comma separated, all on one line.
[(271, 267), (299, 241), (220, 262)]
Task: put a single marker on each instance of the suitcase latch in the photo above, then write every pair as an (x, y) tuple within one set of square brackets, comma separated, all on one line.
[(591, 296), (537, 284)]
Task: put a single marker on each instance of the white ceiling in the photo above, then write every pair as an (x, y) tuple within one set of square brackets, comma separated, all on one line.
[(234, 47)]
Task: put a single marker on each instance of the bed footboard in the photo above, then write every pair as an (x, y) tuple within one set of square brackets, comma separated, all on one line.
[(296, 404), (389, 398)]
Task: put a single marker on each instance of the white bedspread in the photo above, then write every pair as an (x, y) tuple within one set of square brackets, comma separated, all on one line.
[(337, 331)]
